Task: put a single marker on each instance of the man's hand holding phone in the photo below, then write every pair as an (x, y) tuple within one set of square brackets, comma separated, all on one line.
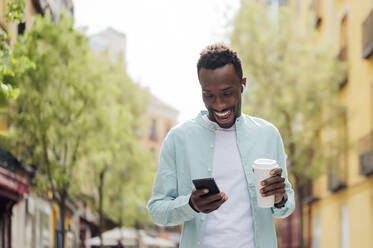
[(207, 204), (203, 201)]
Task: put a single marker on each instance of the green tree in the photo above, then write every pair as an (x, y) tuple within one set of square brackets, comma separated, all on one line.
[(292, 82), (10, 65), (50, 119), (75, 119), (114, 165)]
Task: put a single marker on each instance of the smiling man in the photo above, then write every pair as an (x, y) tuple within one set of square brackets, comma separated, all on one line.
[(221, 143)]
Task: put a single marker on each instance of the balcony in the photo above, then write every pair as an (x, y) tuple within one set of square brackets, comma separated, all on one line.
[(315, 7), (336, 179), (337, 171), (366, 154), (342, 56), (366, 163), (308, 194), (368, 36)]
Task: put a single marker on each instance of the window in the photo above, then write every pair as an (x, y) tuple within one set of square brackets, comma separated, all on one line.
[(316, 8), (153, 131), (368, 36), (343, 39), (309, 195), (337, 172), (344, 227), (44, 230), (21, 28), (316, 232), (343, 51)]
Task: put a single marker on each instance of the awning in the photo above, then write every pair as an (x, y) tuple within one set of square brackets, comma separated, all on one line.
[(12, 182), (127, 236), (158, 242), (149, 241)]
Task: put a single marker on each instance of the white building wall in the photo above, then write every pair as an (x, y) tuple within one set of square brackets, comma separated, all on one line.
[(31, 223)]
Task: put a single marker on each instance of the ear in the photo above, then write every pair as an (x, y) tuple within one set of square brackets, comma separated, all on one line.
[(243, 84)]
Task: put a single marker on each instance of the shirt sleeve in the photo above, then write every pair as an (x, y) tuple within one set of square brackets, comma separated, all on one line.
[(290, 203), (166, 206)]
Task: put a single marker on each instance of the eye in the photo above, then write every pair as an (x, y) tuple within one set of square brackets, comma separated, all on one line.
[(227, 93), (207, 95)]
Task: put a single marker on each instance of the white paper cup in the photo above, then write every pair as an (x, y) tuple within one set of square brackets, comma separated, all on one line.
[(262, 167)]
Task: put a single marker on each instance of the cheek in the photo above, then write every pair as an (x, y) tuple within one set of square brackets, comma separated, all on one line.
[(206, 102)]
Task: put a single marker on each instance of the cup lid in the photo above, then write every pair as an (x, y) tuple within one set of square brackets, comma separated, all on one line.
[(265, 163)]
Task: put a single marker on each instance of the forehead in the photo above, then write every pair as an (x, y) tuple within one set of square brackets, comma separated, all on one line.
[(219, 78)]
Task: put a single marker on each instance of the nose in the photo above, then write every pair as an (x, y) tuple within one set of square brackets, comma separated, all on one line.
[(219, 104)]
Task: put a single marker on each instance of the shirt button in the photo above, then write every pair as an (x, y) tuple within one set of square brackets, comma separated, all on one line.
[(198, 243), (212, 146), (209, 169)]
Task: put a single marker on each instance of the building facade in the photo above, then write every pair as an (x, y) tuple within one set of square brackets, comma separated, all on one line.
[(159, 116), (158, 120), (111, 41), (339, 210)]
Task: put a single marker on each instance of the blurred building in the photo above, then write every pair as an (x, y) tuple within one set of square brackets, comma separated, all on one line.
[(15, 180), (159, 116), (28, 220), (159, 119), (112, 41), (339, 207), (88, 227)]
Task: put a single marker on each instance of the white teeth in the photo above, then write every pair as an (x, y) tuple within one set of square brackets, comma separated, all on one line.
[(224, 114)]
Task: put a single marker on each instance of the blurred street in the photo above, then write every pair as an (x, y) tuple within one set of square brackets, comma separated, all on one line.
[(85, 107)]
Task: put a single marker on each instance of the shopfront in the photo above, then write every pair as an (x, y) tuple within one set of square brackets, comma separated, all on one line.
[(12, 190)]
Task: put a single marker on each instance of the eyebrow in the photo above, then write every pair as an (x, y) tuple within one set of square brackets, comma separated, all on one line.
[(226, 89)]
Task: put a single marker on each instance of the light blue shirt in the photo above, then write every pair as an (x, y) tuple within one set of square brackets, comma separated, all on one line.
[(187, 153)]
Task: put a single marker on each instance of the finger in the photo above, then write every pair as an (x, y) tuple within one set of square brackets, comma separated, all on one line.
[(272, 187), (274, 191), (208, 200), (213, 206), (277, 171), (272, 180), (213, 201), (203, 202), (199, 192), (224, 196)]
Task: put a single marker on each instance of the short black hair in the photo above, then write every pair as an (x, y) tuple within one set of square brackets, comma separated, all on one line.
[(218, 55)]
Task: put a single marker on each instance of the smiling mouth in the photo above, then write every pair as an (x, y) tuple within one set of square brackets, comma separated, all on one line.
[(224, 118), (223, 114)]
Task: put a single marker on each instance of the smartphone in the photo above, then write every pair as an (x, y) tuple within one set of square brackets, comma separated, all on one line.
[(206, 183)]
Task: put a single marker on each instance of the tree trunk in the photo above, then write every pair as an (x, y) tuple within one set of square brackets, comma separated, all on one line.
[(62, 206), (300, 200), (100, 207)]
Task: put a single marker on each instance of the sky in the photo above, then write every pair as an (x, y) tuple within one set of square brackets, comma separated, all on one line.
[(164, 39)]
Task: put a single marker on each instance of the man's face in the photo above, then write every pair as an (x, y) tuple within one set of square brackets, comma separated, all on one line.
[(221, 93)]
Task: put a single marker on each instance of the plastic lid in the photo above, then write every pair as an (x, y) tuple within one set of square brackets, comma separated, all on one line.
[(264, 163)]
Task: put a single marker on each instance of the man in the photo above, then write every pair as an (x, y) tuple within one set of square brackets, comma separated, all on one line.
[(221, 143)]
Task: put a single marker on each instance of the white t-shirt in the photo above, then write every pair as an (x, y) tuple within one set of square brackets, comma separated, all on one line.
[(231, 225)]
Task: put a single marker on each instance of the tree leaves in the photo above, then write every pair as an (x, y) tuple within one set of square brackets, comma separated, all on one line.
[(294, 82), (74, 118)]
